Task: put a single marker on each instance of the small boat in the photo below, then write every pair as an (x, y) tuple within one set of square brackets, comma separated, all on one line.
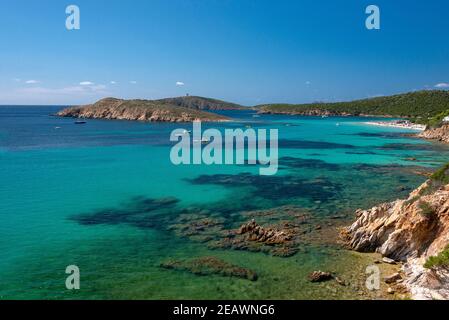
[(80, 122), (57, 128), (256, 116)]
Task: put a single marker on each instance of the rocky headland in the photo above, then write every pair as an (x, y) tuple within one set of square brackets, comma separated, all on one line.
[(413, 232), (140, 110)]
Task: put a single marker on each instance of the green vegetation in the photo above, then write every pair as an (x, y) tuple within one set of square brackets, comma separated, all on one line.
[(441, 175), (426, 209), (200, 103), (441, 260), (427, 107)]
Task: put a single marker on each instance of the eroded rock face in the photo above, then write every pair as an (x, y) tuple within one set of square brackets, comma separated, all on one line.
[(440, 134), (210, 266), (409, 230)]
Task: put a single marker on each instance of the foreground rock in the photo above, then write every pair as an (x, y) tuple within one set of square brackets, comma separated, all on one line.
[(411, 231), (210, 266), (139, 110)]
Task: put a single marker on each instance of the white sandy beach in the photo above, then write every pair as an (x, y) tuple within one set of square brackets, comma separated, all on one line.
[(398, 124)]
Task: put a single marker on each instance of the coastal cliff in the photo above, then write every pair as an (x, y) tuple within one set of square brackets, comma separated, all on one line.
[(139, 110), (414, 231), (440, 134)]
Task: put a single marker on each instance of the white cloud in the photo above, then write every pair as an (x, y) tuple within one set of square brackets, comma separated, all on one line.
[(133, 82), (113, 82), (86, 83), (31, 82), (180, 84), (442, 85), (308, 83)]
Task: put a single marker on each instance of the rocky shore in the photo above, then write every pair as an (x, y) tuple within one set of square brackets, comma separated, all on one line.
[(409, 231), (439, 134), (139, 110)]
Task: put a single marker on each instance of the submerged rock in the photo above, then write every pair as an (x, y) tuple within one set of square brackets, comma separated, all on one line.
[(320, 276), (210, 266)]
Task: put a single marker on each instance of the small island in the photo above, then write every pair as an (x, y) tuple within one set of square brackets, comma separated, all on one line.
[(186, 109)]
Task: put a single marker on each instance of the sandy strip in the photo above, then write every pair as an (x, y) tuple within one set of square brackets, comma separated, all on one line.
[(410, 126)]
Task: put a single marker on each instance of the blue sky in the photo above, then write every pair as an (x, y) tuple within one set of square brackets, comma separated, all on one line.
[(246, 51)]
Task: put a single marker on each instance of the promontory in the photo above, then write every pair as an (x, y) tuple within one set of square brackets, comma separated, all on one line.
[(182, 109)]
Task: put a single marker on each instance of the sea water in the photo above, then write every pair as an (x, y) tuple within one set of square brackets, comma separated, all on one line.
[(73, 195)]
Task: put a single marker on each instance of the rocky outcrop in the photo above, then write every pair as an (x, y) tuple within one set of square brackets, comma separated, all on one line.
[(255, 232), (409, 231), (280, 231), (439, 134), (139, 110)]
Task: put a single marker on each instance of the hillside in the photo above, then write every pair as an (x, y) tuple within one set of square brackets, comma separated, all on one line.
[(141, 110), (201, 103), (422, 106)]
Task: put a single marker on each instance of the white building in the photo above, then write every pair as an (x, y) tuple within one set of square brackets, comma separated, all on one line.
[(446, 119)]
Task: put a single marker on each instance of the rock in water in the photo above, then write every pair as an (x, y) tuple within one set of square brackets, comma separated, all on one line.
[(320, 276)]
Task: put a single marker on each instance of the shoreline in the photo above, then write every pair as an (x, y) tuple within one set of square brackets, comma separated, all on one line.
[(397, 124)]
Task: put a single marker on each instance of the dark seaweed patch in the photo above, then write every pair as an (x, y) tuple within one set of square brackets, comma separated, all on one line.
[(275, 187), (304, 144), (140, 211), (411, 146), (299, 163)]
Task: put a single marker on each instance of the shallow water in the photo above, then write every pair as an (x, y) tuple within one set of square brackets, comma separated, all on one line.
[(91, 195)]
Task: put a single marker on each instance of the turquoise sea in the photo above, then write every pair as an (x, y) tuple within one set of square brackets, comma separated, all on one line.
[(104, 196)]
